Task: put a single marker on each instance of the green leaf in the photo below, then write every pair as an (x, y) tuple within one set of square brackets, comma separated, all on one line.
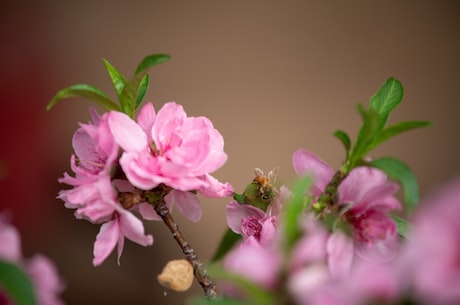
[(344, 138), (403, 225), (293, 210), (369, 129), (142, 89), (227, 242), (135, 88), (150, 61), (85, 91), (254, 293), (16, 284), (387, 98), (397, 129), (399, 171), (118, 80)]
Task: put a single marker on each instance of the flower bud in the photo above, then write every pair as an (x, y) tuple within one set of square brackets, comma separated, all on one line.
[(177, 275)]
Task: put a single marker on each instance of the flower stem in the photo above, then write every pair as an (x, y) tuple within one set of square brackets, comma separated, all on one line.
[(330, 196), (199, 270)]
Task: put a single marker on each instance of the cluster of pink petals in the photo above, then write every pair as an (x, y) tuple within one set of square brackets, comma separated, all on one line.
[(426, 271), (170, 148), (40, 269), (166, 148), (367, 196), (94, 195)]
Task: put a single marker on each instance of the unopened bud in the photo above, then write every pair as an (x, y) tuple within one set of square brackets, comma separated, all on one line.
[(177, 275)]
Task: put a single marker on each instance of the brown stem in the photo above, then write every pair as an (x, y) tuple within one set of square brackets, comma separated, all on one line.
[(198, 267), (330, 196)]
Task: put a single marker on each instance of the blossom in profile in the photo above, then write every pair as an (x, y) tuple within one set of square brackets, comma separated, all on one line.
[(366, 197), (94, 194), (41, 270)]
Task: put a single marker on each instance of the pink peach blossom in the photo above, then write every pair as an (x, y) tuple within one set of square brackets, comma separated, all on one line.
[(170, 148), (366, 196)]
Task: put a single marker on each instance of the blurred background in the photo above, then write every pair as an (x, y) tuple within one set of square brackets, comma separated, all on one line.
[(273, 76)]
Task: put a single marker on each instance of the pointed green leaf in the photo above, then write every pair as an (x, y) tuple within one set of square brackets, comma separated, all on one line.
[(135, 88), (85, 91), (403, 225), (152, 60), (227, 242), (399, 171), (142, 89), (344, 138), (16, 284), (397, 129), (118, 80), (387, 98), (369, 129)]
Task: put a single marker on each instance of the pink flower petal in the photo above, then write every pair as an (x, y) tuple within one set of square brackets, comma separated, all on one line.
[(215, 188), (187, 203), (146, 118), (10, 242), (308, 164), (105, 242), (236, 212), (126, 132), (147, 212), (340, 254), (133, 229)]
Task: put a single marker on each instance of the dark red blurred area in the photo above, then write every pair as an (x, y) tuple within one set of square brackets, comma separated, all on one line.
[(24, 180)]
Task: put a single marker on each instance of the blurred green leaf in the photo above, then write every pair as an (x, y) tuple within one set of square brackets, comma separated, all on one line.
[(16, 284), (118, 80), (85, 91), (400, 172), (386, 99), (227, 242), (255, 294), (344, 138), (397, 129), (403, 226), (293, 209)]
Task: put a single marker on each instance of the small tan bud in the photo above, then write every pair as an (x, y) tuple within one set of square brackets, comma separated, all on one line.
[(177, 275)]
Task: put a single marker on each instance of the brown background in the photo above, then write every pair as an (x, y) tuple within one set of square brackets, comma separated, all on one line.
[(273, 76)]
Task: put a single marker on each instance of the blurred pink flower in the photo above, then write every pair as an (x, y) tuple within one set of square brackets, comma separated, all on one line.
[(431, 258), (42, 272), (254, 262), (366, 196), (170, 148)]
